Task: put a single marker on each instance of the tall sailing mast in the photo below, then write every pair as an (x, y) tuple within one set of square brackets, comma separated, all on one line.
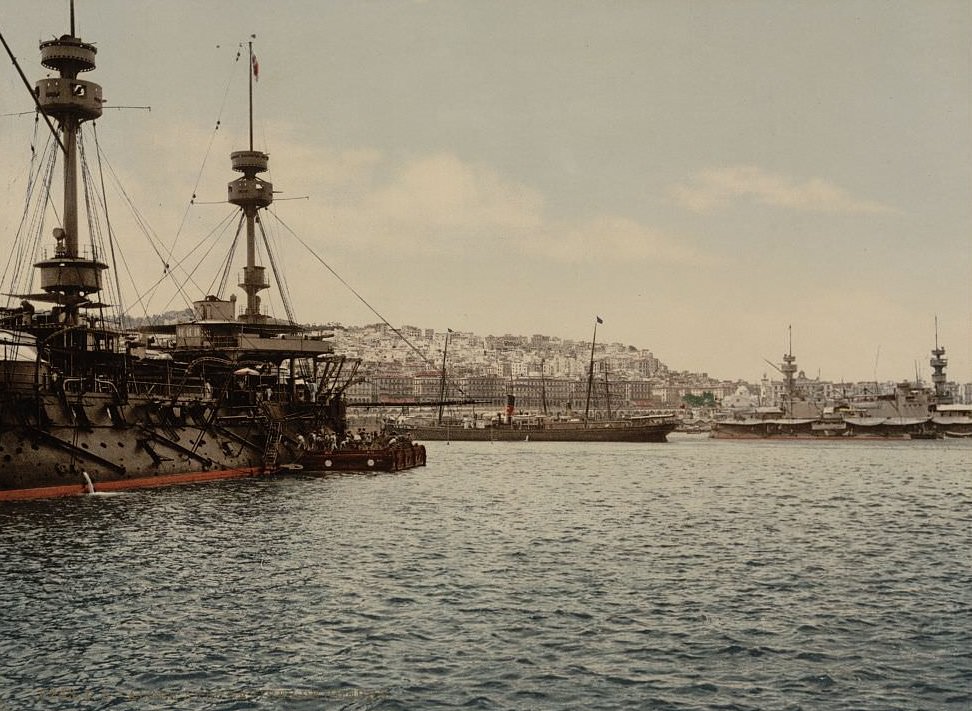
[(442, 377), (590, 371), (543, 386), (607, 393)]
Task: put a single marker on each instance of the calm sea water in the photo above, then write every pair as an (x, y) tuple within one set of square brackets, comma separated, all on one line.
[(692, 575)]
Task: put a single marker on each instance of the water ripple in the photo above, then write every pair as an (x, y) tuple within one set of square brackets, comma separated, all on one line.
[(693, 575)]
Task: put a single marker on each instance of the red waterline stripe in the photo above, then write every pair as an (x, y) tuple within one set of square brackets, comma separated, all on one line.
[(148, 482)]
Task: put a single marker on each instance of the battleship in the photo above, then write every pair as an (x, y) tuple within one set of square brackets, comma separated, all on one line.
[(910, 412), (89, 405)]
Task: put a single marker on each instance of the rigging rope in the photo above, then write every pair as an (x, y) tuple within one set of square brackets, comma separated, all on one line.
[(209, 149), (141, 223), (31, 227), (94, 226), (170, 275), (15, 257), (228, 260), (360, 298), (119, 304), (281, 284)]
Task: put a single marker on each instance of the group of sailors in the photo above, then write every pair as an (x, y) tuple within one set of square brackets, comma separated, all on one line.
[(326, 440)]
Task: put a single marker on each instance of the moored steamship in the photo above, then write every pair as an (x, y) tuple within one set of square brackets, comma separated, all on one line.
[(513, 427)]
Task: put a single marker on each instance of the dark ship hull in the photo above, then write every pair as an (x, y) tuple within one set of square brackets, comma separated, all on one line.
[(120, 446), (75, 435), (900, 428), (71, 441)]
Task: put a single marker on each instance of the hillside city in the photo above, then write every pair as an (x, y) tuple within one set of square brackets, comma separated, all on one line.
[(546, 373)]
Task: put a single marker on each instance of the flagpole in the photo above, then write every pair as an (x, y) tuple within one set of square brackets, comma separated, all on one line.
[(250, 72)]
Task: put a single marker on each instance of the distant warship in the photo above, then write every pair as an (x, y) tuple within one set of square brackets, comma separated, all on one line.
[(910, 412)]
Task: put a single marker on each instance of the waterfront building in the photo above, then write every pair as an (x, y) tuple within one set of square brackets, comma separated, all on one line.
[(486, 367)]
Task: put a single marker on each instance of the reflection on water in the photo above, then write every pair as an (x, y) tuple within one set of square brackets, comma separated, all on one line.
[(510, 575)]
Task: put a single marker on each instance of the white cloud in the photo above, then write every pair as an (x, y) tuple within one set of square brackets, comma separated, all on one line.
[(442, 192), (718, 187), (439, 204), (614, 239)]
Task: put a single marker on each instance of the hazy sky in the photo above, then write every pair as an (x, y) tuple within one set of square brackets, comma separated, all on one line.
[(699, 174)]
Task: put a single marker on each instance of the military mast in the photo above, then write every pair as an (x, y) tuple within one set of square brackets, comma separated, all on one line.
[(69, 278), (788, 369), (251, 194), (938, 363)]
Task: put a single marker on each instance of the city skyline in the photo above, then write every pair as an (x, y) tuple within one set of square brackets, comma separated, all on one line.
[(468, 351), (542, 369), (702, 175)]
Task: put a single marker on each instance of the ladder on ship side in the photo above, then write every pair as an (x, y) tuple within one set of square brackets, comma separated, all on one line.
[(274, 435)]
